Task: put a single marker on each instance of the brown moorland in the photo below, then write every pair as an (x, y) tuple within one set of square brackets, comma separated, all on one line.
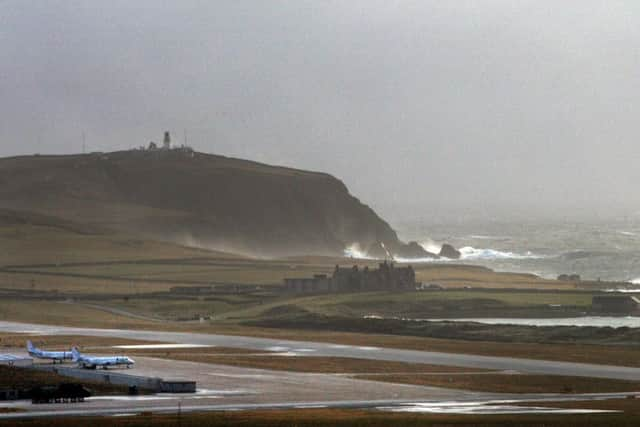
[(512, 383)]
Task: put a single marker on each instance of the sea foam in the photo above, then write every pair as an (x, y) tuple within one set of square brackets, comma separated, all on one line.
[(471, 253), (467, 253)]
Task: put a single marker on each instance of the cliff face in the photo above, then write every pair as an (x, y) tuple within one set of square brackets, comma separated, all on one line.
[(196, 199)]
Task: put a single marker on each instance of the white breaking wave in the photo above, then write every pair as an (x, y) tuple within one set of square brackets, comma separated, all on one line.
[(487, 237), (355, 251), (431, 246), (471, 253), (420, 260), (467, 253)]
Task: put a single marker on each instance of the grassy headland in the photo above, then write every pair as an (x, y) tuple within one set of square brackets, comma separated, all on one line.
[(55, 273)]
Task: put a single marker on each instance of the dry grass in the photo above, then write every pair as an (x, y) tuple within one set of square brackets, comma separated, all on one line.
[(583, 353), (28, 281), (95, 278), (507, 383), (28, 245), (456, 276), (39, 244), (64, 342), (598, 354), (337, 418), (58, 313)]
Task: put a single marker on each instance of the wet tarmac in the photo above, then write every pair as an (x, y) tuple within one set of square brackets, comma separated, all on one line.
[(223, 387), (483, 408), (159, 346), (530, 366), (228, 385)]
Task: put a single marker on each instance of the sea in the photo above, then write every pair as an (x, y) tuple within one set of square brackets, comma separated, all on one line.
[(609, 251)]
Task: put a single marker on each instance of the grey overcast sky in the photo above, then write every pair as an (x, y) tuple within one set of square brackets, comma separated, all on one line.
[(423, 108)]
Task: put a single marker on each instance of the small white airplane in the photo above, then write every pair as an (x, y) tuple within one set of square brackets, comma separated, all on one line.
[(59, 356), (92, 362)]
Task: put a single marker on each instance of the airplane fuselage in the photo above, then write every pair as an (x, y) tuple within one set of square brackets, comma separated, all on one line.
[(55, 356), (93, 362), (104, 362)]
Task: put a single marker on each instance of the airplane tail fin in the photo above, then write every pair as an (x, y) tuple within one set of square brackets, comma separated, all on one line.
[(30, 346), (75, 354)]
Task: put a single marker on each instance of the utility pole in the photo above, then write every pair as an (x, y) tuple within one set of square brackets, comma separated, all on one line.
[(185, 137), (84, 143)]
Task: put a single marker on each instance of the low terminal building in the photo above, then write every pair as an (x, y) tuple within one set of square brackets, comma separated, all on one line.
[(154, 384), (178, 386), (354, 279), (616, 304), (12, 394)]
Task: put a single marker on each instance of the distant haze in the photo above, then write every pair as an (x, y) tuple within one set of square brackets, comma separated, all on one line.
[(425, 109)]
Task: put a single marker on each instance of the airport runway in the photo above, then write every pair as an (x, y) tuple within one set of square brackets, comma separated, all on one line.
[(223, 388), (530, 366)]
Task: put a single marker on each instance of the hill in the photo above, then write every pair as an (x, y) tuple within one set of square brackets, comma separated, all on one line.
[(195, 199)]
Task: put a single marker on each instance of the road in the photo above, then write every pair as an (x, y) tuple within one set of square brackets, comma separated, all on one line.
[(530, 366)]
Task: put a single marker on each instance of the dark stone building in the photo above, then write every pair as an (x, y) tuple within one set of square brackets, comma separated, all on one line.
[(353, 279)]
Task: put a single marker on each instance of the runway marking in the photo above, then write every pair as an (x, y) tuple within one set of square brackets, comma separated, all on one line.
[(200, 394), (256, 376), (310, 406), (129, 398), (160, 346), (484, 408)]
